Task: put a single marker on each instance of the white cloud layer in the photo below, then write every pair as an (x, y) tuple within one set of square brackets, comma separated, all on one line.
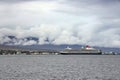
[(95, 22)]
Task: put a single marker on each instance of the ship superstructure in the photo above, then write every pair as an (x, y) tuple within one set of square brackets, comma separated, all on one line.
[(87, 50)]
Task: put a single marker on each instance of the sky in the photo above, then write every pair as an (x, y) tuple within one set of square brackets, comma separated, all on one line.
[(92, 22)]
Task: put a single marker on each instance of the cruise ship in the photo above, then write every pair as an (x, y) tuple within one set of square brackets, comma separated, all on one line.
[(87, 50)]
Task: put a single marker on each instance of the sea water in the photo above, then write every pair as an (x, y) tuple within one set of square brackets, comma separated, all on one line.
[(59, 67)]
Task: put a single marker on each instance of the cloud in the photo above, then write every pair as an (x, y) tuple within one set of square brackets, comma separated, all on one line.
[(95, 22), (18, 1), (47, 34), (97, 8)]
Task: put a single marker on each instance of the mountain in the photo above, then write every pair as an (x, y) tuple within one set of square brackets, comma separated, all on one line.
[(13, 40)]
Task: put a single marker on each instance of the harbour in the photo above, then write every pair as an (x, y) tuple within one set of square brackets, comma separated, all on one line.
[(85, 50)]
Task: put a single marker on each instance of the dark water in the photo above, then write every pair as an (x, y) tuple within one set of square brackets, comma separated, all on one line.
[(60, 67)]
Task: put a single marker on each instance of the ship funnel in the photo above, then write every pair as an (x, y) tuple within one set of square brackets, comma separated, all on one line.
[(87, 46)]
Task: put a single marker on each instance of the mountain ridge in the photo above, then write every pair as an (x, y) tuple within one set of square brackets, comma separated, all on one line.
[(12, 40)]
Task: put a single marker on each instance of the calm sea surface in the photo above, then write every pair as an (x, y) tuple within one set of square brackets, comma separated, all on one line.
[(59, 67)]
